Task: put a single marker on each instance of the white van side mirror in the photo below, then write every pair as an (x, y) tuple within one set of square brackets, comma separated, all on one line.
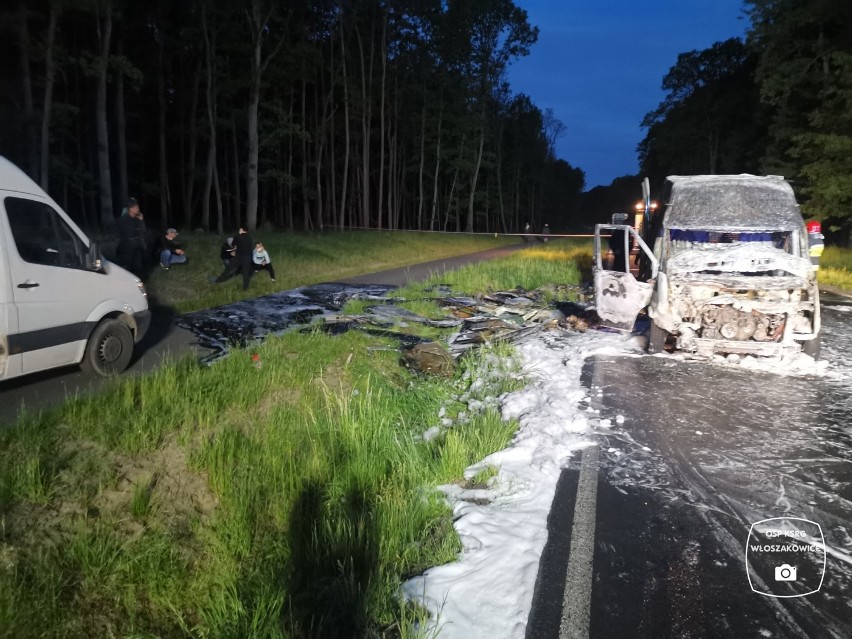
[(94, 259)]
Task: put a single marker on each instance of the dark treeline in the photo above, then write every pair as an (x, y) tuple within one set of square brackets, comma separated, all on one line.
[(328, 114), (779, 103)]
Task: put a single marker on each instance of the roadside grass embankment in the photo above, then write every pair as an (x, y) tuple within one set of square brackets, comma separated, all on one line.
[(300, 259), (285, 500), (835, 268)]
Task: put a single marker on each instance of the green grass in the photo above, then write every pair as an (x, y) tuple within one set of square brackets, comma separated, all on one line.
[(836, 267), (300, 259), (231, 501)]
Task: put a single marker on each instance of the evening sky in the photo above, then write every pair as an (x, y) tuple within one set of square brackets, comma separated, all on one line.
[(599, 64)]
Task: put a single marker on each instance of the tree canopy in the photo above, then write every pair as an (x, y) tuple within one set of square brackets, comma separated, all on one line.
[(336, 113)]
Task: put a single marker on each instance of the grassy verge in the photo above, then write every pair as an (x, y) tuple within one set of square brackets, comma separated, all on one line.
[(836, 268), (285, 500), (303, 258)]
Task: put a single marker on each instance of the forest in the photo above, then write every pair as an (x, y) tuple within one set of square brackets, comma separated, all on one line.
[(328, 114), (778, 102), (390, 114)]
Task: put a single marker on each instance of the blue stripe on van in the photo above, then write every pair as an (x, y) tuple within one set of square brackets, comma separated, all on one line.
[(47, 337)]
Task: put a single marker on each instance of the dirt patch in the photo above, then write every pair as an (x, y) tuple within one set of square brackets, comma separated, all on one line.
[(97, 484), (178, 494)]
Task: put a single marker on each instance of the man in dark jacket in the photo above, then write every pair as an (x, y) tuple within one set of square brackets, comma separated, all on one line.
[(132, 233), (242, 259)]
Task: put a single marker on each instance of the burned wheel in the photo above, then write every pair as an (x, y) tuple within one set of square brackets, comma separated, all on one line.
[(812, 347), (657, 338), (109, 349)]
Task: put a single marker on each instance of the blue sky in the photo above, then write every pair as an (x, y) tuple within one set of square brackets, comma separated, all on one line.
[(600, 65)]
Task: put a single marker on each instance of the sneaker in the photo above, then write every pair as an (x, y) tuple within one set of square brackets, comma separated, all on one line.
[(164, 267), (273, 279)]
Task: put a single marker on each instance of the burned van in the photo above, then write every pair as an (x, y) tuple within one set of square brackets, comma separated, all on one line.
[(729, 271)]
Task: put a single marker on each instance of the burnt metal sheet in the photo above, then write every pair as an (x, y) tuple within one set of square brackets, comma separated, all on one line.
[(732, 203)]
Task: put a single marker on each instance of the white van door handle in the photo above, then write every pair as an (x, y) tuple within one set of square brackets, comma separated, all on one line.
[(28, 284)]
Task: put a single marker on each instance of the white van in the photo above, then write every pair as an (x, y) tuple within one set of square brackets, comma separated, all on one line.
[(61, 303)]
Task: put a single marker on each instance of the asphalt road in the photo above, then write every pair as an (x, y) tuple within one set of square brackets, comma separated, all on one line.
[(167, 341), (703, 453)]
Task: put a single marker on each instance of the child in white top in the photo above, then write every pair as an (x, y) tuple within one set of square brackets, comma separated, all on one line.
[(261, 260)]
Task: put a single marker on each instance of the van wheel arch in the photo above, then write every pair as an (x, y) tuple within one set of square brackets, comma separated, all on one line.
[(109, 348)]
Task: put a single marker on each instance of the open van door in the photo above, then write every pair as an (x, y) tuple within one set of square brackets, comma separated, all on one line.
[(619, 296)]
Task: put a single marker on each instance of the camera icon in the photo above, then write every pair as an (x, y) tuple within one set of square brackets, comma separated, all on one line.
[(785, 572)]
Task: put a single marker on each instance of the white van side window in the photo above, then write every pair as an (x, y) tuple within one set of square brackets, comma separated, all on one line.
[(42, 236)]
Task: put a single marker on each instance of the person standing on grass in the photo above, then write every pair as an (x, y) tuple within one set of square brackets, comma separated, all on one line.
[(132, 233), (242, 262), (170, 252), (262, 261)]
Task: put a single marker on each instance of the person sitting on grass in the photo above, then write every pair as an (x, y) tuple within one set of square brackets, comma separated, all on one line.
[(262, 261), (170, 252)]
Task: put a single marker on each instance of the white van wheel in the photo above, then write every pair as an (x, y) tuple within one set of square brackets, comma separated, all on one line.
[(109, 349), (657, 338)]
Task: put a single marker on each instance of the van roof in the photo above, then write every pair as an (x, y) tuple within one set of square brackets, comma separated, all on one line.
[(14, 179), (731, 203)]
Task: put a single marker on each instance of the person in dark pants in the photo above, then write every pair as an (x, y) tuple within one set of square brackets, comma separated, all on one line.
[(227, 251), (262, 261), (242, 261), (132, 247)]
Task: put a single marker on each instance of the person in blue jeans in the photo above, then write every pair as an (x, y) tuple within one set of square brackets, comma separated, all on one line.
[(170, 251)]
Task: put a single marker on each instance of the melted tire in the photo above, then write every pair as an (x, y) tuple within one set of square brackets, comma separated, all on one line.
[(657, 338), (813, 347), (109, 349)]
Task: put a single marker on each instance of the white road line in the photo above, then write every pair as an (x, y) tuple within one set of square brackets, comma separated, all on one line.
[(577, 600)]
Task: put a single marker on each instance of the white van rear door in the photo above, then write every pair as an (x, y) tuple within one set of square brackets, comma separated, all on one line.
[(51, 290)]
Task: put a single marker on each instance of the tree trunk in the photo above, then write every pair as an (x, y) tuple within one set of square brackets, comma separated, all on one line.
[(475, 176), (437, 169), (27, 88), (121, 129), (48, 95), (209, 56), (104, 175), (382, 123), (165, 199), (306, 211), (254, 102), (347, 139), (366, 113), (189, 169), (420, 192), (238, 196), (290, 154)]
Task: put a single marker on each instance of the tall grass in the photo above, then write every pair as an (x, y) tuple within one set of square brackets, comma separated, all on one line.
[(232, 501), (836, 267)]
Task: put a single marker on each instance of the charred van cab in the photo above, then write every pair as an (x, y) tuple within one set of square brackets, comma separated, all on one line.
[(61, 303), (729, 271)]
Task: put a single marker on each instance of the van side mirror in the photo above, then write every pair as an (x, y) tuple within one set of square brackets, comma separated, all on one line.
[(93, 259)]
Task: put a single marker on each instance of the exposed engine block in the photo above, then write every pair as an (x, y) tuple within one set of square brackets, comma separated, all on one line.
[(726, 322)]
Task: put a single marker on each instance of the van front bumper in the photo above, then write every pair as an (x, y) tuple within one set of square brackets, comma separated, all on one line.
[(143, 322)]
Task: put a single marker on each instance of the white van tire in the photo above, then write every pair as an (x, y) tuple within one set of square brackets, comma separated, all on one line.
[(657, 338), (109, 349)]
